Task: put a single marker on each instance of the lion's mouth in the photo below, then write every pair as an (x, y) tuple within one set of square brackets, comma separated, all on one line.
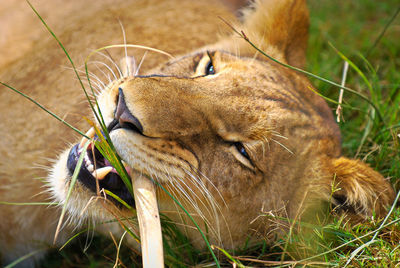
[(94, 160), (96, 166)]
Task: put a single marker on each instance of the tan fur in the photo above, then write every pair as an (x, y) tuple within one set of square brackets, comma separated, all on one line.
[(190, 122), (360, 185)]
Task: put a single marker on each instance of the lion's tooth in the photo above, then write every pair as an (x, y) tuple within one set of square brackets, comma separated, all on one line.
[(90, 133), (90, 168), (100, 173)]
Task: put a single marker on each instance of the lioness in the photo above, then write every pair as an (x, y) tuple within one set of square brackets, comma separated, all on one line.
[(228, 132)]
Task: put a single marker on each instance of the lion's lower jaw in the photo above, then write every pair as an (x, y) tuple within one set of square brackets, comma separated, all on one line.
[(82, 205), (84, 208)]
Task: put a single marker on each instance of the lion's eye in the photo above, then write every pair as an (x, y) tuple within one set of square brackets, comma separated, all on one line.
[(210, 68), (239, 146), (239, 152)]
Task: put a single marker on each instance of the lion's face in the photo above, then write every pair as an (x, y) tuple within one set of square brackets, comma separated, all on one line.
[(219, 131), (229, 136)]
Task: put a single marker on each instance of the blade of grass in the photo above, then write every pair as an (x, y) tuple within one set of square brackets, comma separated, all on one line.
[(352, 65), (383, 32), (44, 109), (176, 239), (357, 251), (71, 186), (119, 200), (118, 249), (238, 263), (386, 130), (387, 216), (351, 241), (99, 118), (334, 101), (120, 221), (65, 52), (21, 259), (315, 76), (29, 204), (121, 170), (244, 36), (191, 219), (367, 131), (107, 151), (371, 113), (73, 237)]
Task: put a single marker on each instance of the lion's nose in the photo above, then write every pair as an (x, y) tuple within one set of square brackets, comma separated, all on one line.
[(125, 118)]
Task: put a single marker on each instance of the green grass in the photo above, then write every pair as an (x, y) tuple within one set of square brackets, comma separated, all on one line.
[(352, 27), (352, 31)]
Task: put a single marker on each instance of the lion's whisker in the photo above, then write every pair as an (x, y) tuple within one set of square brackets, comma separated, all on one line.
[(113, 62), (107, 76), (279, 135), (199, 185), (216, 210), (95, 84), (194, 204), (178, 211), (126, 50), (201, 175), (283, 146), (207, 195), (108, 67), (195, 196), (140, 63), (83, 73)]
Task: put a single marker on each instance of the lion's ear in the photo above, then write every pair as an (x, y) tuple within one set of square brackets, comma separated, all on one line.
[(360, 191), (278, 27)]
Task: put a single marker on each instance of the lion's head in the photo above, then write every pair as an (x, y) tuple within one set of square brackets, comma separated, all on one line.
[(230, 134)]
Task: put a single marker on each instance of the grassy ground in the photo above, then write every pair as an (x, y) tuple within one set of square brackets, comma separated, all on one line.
[(352, 27)]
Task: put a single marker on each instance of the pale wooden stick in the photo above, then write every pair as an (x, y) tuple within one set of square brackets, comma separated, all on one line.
[(149, 222), (339, 108)]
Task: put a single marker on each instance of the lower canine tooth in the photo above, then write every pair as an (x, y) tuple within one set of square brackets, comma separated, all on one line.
[(100, 173)]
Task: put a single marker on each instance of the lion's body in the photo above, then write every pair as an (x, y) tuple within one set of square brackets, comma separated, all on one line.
[(189, 120)]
